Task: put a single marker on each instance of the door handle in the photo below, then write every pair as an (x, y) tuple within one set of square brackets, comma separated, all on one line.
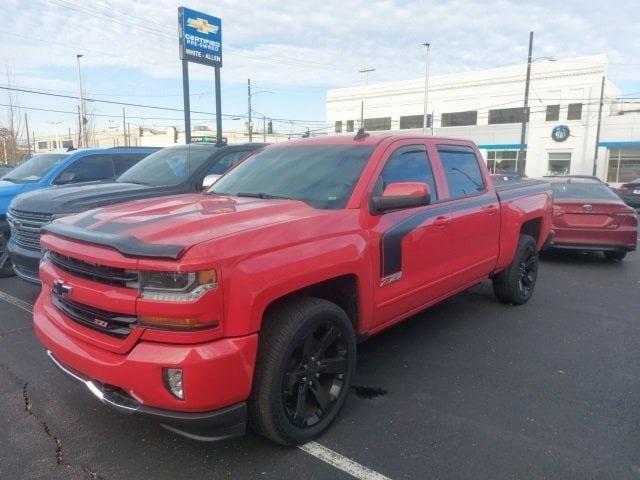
[(490, 209), (441, 221)]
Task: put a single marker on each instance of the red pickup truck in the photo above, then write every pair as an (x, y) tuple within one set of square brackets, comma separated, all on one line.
[(246, 302)]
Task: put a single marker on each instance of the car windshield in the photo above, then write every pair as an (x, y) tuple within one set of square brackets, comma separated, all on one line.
[(320, 175), (169, 166), (35, 168), (583, 190)]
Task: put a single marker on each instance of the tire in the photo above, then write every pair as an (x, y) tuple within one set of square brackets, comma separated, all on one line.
[(6, 268), (515, 285), (614, 256), (285, 404)]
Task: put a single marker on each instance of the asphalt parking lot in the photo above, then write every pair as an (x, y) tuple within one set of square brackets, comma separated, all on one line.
[(474, 390)]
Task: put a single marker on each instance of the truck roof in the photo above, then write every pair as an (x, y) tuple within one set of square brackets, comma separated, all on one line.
[(371, 139)]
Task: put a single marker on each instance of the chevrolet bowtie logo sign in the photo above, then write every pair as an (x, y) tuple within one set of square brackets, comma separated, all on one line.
[(202, 25)]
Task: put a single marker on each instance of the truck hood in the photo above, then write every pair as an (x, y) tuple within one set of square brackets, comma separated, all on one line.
[(80, 198), (180, 221)]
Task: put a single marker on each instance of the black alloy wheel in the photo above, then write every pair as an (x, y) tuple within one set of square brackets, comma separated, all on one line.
[(315, 376), (528, 271)]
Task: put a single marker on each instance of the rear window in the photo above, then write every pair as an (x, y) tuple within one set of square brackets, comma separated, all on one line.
[(582, 190)]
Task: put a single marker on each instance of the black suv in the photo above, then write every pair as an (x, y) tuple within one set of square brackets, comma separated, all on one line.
[(170, 171)]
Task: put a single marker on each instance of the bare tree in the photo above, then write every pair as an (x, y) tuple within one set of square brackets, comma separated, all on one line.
[(12, 150)]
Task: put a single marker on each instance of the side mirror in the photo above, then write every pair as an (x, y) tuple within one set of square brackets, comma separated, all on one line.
[(402, 195), (209, 180)]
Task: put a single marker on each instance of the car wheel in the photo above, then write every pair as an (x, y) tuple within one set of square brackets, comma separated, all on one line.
[(515, 285), (306, 359), (6, 268), (614, 256)]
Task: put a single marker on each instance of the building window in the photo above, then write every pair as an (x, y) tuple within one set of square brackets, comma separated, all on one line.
[(624, 165), (459, 119), (503, 161), (338, 126), (42, 145), (67, 144), (506, 115), (553, 113), (559, 163), (414, 121), (381, 123), (349, 125), (575, 111)]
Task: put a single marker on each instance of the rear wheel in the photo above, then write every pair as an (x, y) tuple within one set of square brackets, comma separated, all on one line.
[(515, 285), (306, 359), (6, 268), (614, 256)]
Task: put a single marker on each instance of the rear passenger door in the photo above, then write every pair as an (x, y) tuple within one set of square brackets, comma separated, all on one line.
[(474, 214)]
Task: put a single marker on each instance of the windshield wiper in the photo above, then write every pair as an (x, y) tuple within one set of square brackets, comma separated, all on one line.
[(261, 195)]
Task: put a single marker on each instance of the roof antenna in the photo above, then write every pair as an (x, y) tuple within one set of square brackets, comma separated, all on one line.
[(361, 134)]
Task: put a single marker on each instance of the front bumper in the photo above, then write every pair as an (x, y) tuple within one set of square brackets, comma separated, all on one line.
[(217, 375), (25, 262), (207, 426)]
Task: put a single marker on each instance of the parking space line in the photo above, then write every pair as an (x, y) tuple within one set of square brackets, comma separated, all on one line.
[(312, 448), (341, 462), (16, 302)]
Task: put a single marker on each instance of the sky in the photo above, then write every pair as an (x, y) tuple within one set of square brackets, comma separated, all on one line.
[(293, 51)]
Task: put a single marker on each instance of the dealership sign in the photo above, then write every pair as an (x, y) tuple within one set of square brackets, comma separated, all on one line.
[(200, 37), (560, 133)]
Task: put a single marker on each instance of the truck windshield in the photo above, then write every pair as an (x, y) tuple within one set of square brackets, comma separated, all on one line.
[(583, 190), (35, 168), (169, 166), (320, 175)]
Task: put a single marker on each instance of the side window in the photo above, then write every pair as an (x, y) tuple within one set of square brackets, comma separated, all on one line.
[(87, 169), (461, 170), (226, 162), (124, 161), (408, 164)]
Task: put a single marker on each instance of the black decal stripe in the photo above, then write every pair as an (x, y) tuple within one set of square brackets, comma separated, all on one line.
[(523, 191), (391, 240)]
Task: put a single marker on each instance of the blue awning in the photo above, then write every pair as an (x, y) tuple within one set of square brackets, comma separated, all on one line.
[(627, 144), (501, 146)]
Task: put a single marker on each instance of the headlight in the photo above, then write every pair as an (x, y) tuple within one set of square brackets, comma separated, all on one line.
[(174, 286)]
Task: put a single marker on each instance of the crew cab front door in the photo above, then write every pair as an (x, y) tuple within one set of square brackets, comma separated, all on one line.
[(413, 245)]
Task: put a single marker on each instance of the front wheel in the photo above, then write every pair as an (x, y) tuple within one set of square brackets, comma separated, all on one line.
[(6, 268), (306, 360), (515, 285), (614, 256)]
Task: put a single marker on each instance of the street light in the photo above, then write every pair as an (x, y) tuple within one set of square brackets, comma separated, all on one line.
[(81, 107), (365, 78), (426, 93), (55, 124)]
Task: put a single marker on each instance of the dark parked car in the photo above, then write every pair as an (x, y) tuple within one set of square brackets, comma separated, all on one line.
[(172, 170), (588, 215), (630, 193), (46, 169)]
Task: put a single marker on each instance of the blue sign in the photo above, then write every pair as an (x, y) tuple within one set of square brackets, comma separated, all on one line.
[(560, 133), (200, 37)]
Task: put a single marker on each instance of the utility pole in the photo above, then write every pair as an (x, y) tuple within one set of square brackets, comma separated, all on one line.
[(264, 129), (595, 155), (26, 123), (249, 109), (365, 76), (124, 127), (525, 111), (55, 124), (425, 121), (79, 128), (81, 110)]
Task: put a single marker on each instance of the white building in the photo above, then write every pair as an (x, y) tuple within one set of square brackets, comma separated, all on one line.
[(486, 106)]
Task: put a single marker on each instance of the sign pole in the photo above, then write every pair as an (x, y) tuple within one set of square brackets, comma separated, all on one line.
[(218, 106), (187, 104)]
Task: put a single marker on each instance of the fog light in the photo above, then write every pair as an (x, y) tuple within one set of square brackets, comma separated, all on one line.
[(173, 382)]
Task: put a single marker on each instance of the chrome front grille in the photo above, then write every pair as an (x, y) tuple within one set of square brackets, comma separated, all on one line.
[(25, 227)]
